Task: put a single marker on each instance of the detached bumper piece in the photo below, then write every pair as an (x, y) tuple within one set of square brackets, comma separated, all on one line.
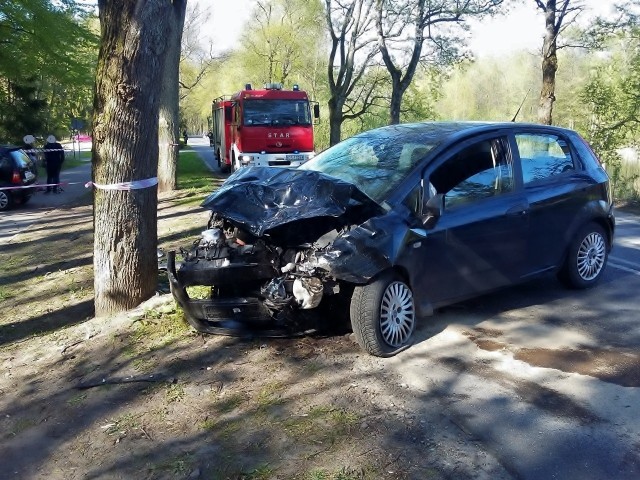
[(235, 316)]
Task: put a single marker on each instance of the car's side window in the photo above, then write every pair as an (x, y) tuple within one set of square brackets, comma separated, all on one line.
[(413, 201), (479, 171), (543, 156)]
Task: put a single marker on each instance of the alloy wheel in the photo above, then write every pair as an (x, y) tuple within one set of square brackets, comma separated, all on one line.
[(397, 314), (591, 256)]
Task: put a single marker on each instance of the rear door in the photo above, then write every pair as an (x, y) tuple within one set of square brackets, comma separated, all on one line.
[(556, 187)]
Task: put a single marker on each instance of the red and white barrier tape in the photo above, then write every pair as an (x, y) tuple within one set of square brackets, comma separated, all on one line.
[(133, 185), (38, 150)]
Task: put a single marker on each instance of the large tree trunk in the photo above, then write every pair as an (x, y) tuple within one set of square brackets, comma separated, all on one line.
[(335, 121), (399, 84), (125, 148), (549, 65), (170, 103), (397, 92)]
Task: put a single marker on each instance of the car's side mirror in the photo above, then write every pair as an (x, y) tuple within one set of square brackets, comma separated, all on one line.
[(316, 110), (432, 210)]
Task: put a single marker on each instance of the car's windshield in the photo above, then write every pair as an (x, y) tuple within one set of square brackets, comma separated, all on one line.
[(375, 162), (276, 112)]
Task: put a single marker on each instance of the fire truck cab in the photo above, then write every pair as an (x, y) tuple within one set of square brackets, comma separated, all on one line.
[(268, 127)]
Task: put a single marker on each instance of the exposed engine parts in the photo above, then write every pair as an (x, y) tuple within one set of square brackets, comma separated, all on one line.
[(297, 280)]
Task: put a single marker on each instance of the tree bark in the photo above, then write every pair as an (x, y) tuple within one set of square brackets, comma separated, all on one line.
[(335, 121), (395, 104), (169, 120), (549, 64), (125, 148)]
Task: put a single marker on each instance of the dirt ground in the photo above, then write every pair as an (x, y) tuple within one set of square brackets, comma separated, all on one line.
[(141, 395)]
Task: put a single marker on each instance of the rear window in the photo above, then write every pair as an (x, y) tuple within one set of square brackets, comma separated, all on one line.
[(21, 158), (543, 156)]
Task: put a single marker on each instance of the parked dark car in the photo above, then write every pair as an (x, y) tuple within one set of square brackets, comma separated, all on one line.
[(396, 222), (17, 171)]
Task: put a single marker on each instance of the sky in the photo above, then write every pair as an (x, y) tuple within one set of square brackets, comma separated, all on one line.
[(521, 28)]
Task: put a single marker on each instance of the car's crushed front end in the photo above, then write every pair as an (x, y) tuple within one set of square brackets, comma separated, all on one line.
[(278, 242)]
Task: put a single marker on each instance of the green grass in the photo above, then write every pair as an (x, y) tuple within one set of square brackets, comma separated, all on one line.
[(178, 465), (123, 423), (193, 174), (227, 405), (263, 472), (158, 328), (23, 424), (270, 395), (343, 474), (5, 293), (174, 393), (323, 423), (77, 399)]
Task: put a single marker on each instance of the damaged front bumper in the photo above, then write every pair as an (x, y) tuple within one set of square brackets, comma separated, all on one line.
[(244, 316)]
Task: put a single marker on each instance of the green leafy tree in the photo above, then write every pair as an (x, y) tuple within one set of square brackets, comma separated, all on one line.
[(285, 42), (47, 60), (613, 96), (414, 31)]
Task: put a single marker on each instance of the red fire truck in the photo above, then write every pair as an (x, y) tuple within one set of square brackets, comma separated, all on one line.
[(268, 127)]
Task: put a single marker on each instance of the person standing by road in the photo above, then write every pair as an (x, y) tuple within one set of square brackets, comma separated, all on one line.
[(53, 156), (28, 147)]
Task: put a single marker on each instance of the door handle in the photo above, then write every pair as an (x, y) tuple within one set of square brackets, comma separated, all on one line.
[(517, 211)]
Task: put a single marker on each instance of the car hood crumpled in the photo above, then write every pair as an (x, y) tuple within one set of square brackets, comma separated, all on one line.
[(289, 206)]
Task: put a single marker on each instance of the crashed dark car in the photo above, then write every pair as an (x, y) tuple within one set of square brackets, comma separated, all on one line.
[(394, 223)]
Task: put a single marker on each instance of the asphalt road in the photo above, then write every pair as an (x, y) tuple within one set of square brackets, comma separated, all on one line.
[(40, 204), (544, 379)]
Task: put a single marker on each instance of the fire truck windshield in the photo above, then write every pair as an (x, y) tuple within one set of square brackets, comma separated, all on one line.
[(276, 112)]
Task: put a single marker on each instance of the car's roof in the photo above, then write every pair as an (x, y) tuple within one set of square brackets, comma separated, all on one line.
[(8, 148), (452, 129)]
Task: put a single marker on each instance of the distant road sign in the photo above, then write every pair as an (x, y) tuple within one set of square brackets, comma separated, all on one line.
[(77, 124)]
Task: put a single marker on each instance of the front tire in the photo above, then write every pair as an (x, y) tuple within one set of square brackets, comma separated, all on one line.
[(383, 315), (586, 257)]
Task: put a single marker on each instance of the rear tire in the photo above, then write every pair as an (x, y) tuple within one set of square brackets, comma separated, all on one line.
[(586, 257), (383, 315)]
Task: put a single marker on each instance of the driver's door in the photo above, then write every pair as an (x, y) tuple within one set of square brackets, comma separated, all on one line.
[(479, 241)]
